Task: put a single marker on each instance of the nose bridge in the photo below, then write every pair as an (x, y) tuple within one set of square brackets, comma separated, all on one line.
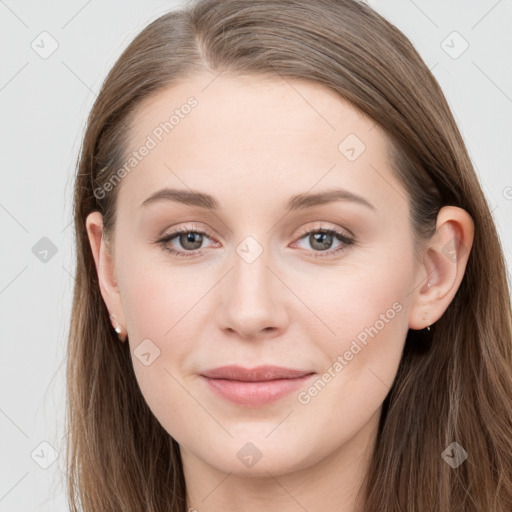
[(250, 300), (251, 280)]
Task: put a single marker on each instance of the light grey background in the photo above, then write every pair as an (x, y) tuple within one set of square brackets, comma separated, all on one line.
[(44, 105)]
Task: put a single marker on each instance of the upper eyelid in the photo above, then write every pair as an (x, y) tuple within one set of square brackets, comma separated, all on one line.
[(305, 231), (206, 231)]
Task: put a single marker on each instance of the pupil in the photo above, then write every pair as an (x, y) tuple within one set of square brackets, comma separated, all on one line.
[(325, 240), (191, 238)]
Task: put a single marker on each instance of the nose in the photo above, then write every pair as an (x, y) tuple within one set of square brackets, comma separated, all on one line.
[(252, 299)]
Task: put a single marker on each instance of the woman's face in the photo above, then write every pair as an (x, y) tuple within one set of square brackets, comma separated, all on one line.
[(256, 282)]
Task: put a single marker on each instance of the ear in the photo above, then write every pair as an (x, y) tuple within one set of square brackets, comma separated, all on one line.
[(443, 266), (103, 259)]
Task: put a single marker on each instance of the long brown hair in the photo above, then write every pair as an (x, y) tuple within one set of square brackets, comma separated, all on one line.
[(457, 389)]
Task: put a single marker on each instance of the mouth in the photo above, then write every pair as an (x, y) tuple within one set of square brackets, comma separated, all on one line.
[(257, 386)]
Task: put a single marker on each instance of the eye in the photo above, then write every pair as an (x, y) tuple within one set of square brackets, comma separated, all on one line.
[(322, 240), (191, 239)]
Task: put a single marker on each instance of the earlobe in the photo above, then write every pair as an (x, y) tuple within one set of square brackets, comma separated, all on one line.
[(104, 263), (121, 333), (444, 264)]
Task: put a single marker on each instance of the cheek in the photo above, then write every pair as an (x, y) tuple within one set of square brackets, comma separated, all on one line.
[(160, 318), (158, 298), (359, 300), (165, 311), (366, 312)]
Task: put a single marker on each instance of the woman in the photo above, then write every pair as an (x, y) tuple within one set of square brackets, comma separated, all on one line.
[(290, 291)]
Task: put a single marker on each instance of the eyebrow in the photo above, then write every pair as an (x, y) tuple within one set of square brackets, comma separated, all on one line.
[(297, 202)]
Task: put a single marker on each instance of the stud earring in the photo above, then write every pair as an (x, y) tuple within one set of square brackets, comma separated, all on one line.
[(117, 327)]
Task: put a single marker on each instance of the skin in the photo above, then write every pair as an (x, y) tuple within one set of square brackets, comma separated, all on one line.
[(287, 307)]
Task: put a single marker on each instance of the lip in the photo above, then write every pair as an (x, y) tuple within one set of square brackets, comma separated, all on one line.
[(254, 386)]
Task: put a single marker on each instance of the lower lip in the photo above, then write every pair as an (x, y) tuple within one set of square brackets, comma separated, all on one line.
[(255, 393)]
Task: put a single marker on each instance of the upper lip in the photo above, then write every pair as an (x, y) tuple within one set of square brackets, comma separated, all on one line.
[(259, 373)]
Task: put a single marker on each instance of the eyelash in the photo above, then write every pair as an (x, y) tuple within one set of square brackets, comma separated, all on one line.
[(342, 237)]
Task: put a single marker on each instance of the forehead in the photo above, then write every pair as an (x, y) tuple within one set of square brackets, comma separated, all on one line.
[(257, 105), (249, 134)]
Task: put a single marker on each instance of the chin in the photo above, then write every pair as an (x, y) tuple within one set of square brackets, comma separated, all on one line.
[(257, 458)]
